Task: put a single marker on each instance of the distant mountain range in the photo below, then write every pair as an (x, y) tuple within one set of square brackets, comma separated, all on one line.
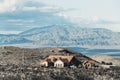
[(63, 35)]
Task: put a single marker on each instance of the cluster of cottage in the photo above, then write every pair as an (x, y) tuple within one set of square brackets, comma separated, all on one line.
[(58, 61)]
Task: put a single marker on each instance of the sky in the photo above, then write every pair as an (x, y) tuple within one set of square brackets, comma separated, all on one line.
[(20, 15)]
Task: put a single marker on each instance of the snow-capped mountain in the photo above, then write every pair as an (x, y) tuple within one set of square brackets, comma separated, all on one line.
[(64, 35)]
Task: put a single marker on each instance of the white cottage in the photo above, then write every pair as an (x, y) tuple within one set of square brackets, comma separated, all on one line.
[(44, 63), (56, 61), (59, 64)]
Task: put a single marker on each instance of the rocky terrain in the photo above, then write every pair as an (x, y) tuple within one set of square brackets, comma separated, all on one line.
[(21, 64), (20, 56), (13, 72)]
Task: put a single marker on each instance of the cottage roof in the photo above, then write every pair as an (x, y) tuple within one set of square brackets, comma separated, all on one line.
[(59, 61), (63, 58)]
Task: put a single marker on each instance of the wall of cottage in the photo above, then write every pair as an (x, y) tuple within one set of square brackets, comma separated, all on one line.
[(59, 64)]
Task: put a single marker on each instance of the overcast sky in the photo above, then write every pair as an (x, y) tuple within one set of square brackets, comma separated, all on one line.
[(21, 15)]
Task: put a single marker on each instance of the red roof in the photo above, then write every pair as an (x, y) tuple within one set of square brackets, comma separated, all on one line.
[(53, 58)]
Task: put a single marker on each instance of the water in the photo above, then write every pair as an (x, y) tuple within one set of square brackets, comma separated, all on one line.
[(90, 52)]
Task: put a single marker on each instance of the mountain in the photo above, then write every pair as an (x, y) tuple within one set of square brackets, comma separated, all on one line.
[(12, 39), (64, 35)]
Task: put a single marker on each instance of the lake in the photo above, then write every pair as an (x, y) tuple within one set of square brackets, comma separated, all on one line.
[(90, 52)]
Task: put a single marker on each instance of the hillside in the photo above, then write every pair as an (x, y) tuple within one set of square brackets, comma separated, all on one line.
[(63, 35), (15, 64), (19, 56)]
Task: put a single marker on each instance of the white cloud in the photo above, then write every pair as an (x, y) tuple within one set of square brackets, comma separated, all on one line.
[(64, 15), (113, 27), (19, 21), (43, 9), (10, 32), (96, 18), (7, 5), (28, 14), (28, 5), (30, 8), (22, 5), (51, 8), (94, 22)]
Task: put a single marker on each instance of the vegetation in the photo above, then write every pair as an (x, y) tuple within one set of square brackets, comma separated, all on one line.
[(14, 72), (13, 66)]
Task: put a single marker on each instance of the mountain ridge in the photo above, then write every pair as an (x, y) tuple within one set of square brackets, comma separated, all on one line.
[(65, 35)]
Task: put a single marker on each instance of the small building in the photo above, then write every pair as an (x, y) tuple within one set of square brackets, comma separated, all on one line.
[(59, 61), (44, 63), (59, 64), (89, 63)]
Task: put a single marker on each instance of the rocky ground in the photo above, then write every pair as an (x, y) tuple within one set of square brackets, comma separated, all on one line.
[(20, 56), (20, 64), (13, 72)]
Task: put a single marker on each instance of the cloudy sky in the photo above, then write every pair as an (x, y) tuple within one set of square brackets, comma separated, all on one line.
[(21, 15)]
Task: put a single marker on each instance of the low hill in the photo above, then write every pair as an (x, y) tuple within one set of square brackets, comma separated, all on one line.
[(19, 56), (12, 58)]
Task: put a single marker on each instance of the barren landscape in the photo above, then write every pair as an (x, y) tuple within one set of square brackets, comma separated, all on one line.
[(22, 64)]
